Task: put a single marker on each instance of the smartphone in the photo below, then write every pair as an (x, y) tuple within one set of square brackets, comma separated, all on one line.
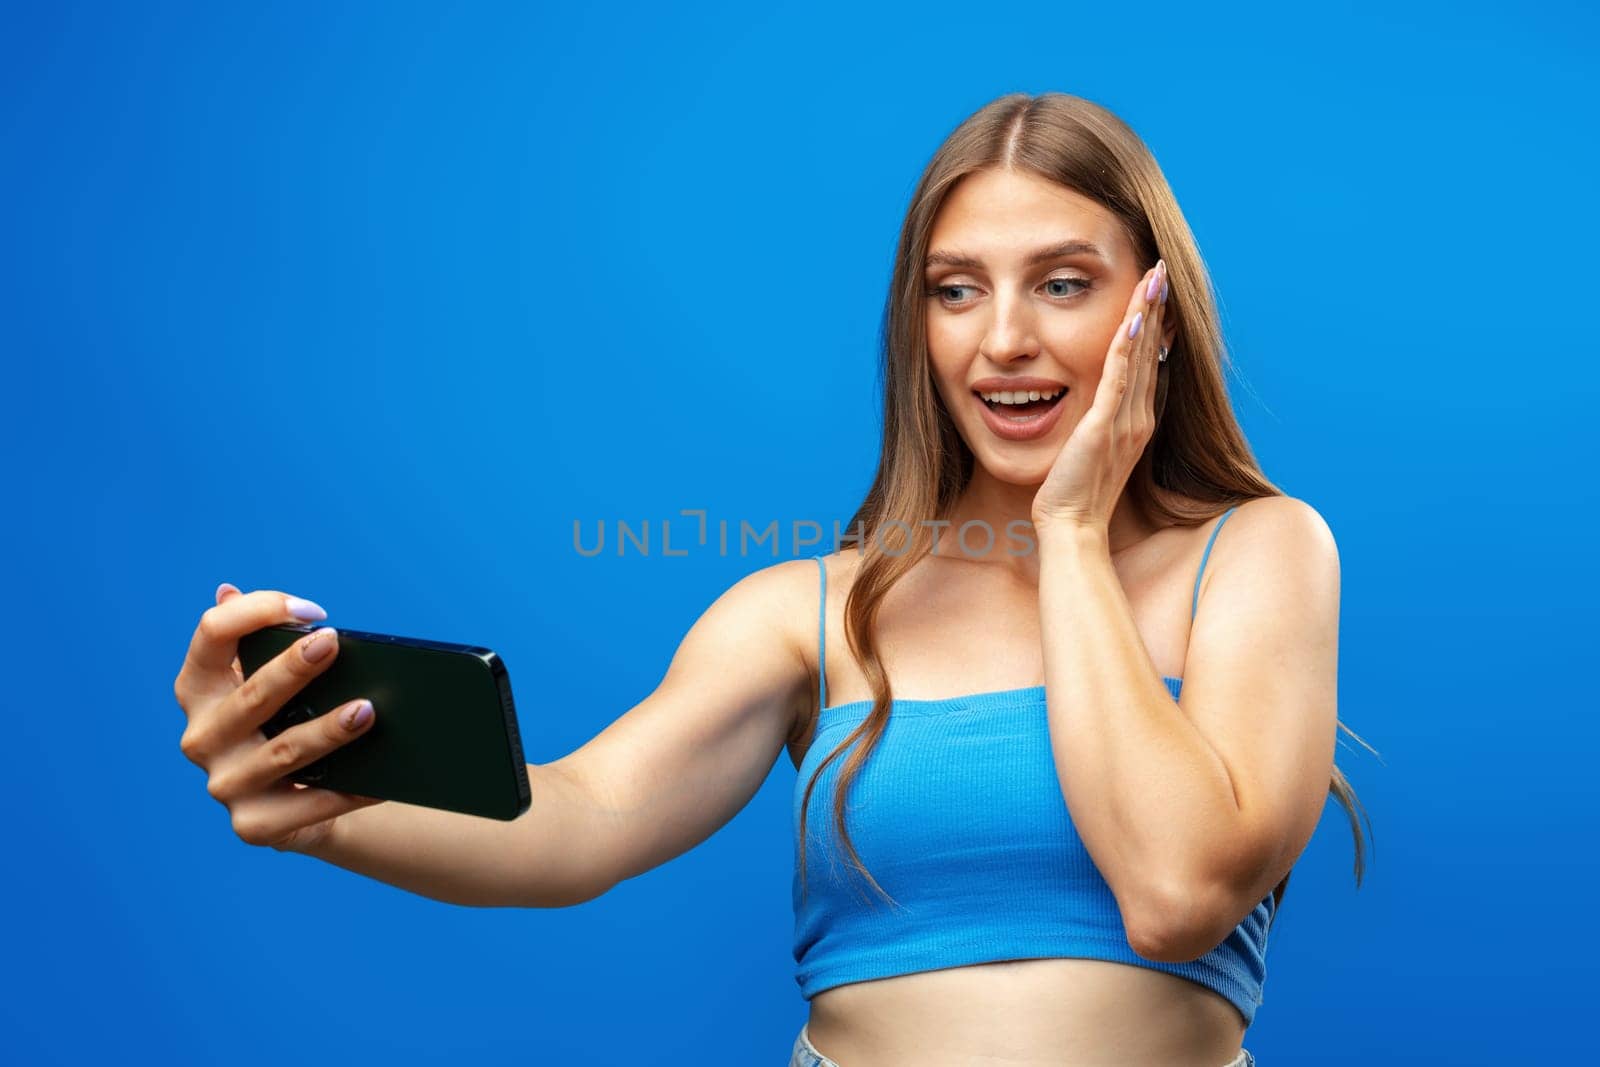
[(445, 730)]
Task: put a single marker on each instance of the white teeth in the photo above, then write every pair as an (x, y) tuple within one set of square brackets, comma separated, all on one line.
[(1009, 397)]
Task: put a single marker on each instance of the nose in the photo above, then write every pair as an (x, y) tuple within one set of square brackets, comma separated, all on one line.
[(1011, 334)]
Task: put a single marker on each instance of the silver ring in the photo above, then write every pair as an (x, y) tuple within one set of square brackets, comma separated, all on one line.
[(1161, 357)]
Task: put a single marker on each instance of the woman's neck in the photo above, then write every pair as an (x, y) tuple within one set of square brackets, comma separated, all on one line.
[(994, 504)]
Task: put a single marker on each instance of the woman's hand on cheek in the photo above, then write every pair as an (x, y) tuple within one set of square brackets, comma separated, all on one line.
[(1089, 474)]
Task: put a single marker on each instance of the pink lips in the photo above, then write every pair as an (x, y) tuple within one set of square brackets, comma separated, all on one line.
[(1028, 429)]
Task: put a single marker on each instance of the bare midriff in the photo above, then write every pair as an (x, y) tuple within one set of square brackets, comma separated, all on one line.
[(1017, 1012)]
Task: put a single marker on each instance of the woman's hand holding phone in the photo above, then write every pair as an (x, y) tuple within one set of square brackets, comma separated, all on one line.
[(225, 711)]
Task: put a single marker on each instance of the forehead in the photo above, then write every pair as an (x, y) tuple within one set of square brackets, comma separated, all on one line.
[(1001, 215)]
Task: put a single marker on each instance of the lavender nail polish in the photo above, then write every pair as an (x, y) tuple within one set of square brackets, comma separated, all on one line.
[(304, 610), (1156, 280), (1133, 328), (357, 715)]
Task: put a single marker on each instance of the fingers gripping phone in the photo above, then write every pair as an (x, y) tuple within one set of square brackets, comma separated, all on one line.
[(445, 734)]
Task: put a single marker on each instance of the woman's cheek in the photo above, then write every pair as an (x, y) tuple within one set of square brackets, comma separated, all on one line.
[(1084, 349), (945, 350)]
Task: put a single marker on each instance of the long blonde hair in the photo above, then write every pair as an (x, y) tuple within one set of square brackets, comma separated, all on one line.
[(1197, 453)]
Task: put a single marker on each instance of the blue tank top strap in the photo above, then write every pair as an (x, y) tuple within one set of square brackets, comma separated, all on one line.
[(822, 617), (1195, 605)]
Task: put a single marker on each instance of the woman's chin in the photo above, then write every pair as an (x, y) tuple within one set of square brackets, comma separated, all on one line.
[(1020, 462), (1015, 470)]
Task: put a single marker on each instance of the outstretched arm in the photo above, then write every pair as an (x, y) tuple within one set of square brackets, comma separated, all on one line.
[(658, 781)]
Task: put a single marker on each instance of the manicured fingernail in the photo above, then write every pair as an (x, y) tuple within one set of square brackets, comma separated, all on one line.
[(356, 715), (1163, 290), (1138, 319), (1154, 287), (304, 610), (316, 648)]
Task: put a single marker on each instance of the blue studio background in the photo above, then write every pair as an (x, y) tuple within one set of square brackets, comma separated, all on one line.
[(369, 302)]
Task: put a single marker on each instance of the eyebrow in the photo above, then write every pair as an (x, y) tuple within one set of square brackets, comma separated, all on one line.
[(943, 258)]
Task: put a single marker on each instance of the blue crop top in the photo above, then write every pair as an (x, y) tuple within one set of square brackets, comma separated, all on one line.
[(958, 814)]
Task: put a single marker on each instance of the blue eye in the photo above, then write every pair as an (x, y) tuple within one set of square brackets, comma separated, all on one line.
[(1070, 281), (940, 290)]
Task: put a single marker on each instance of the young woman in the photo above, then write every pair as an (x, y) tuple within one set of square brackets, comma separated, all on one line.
[(1083, 731)]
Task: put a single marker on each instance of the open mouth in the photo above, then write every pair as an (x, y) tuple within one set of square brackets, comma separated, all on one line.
[(1022, 414), (1023, 408)]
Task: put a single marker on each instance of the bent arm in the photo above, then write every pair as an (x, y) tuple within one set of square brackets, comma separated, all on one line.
[(1195, 809)]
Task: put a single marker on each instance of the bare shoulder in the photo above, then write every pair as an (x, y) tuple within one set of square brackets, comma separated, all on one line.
[(840, 563), (783, 594), (796, 588), (1279, 526), (1278, 540), (780, 601)]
